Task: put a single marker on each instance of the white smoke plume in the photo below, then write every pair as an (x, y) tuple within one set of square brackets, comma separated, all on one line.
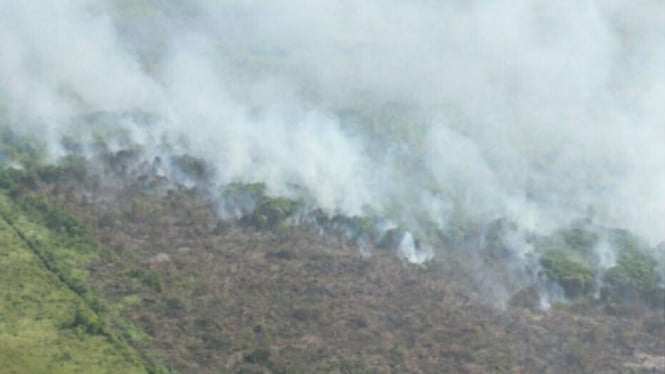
[(412, 251), (538, 111)]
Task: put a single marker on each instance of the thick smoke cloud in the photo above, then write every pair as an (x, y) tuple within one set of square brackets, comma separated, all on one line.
[(542, 112)]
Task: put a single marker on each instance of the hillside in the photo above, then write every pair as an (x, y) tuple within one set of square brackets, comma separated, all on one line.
[(290, 187), (144, 275)]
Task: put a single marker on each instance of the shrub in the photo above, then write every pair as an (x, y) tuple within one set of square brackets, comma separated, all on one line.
[(271, 211), (192, 167), (85, 320), (147, 277), (633, 278), (575, 277)]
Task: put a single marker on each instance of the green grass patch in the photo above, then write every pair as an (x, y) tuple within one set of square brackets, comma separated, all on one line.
[(45, 327), (62, 248)]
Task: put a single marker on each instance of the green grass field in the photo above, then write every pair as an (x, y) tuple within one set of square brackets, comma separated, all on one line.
[(46, 327)]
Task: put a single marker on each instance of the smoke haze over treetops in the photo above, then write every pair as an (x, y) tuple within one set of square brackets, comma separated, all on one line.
[(538, 111)]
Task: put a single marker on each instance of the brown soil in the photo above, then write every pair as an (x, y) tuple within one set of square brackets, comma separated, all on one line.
[(225, 297)]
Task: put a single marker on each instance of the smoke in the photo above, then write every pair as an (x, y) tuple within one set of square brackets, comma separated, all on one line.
[(412, 251), (419, 111)]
